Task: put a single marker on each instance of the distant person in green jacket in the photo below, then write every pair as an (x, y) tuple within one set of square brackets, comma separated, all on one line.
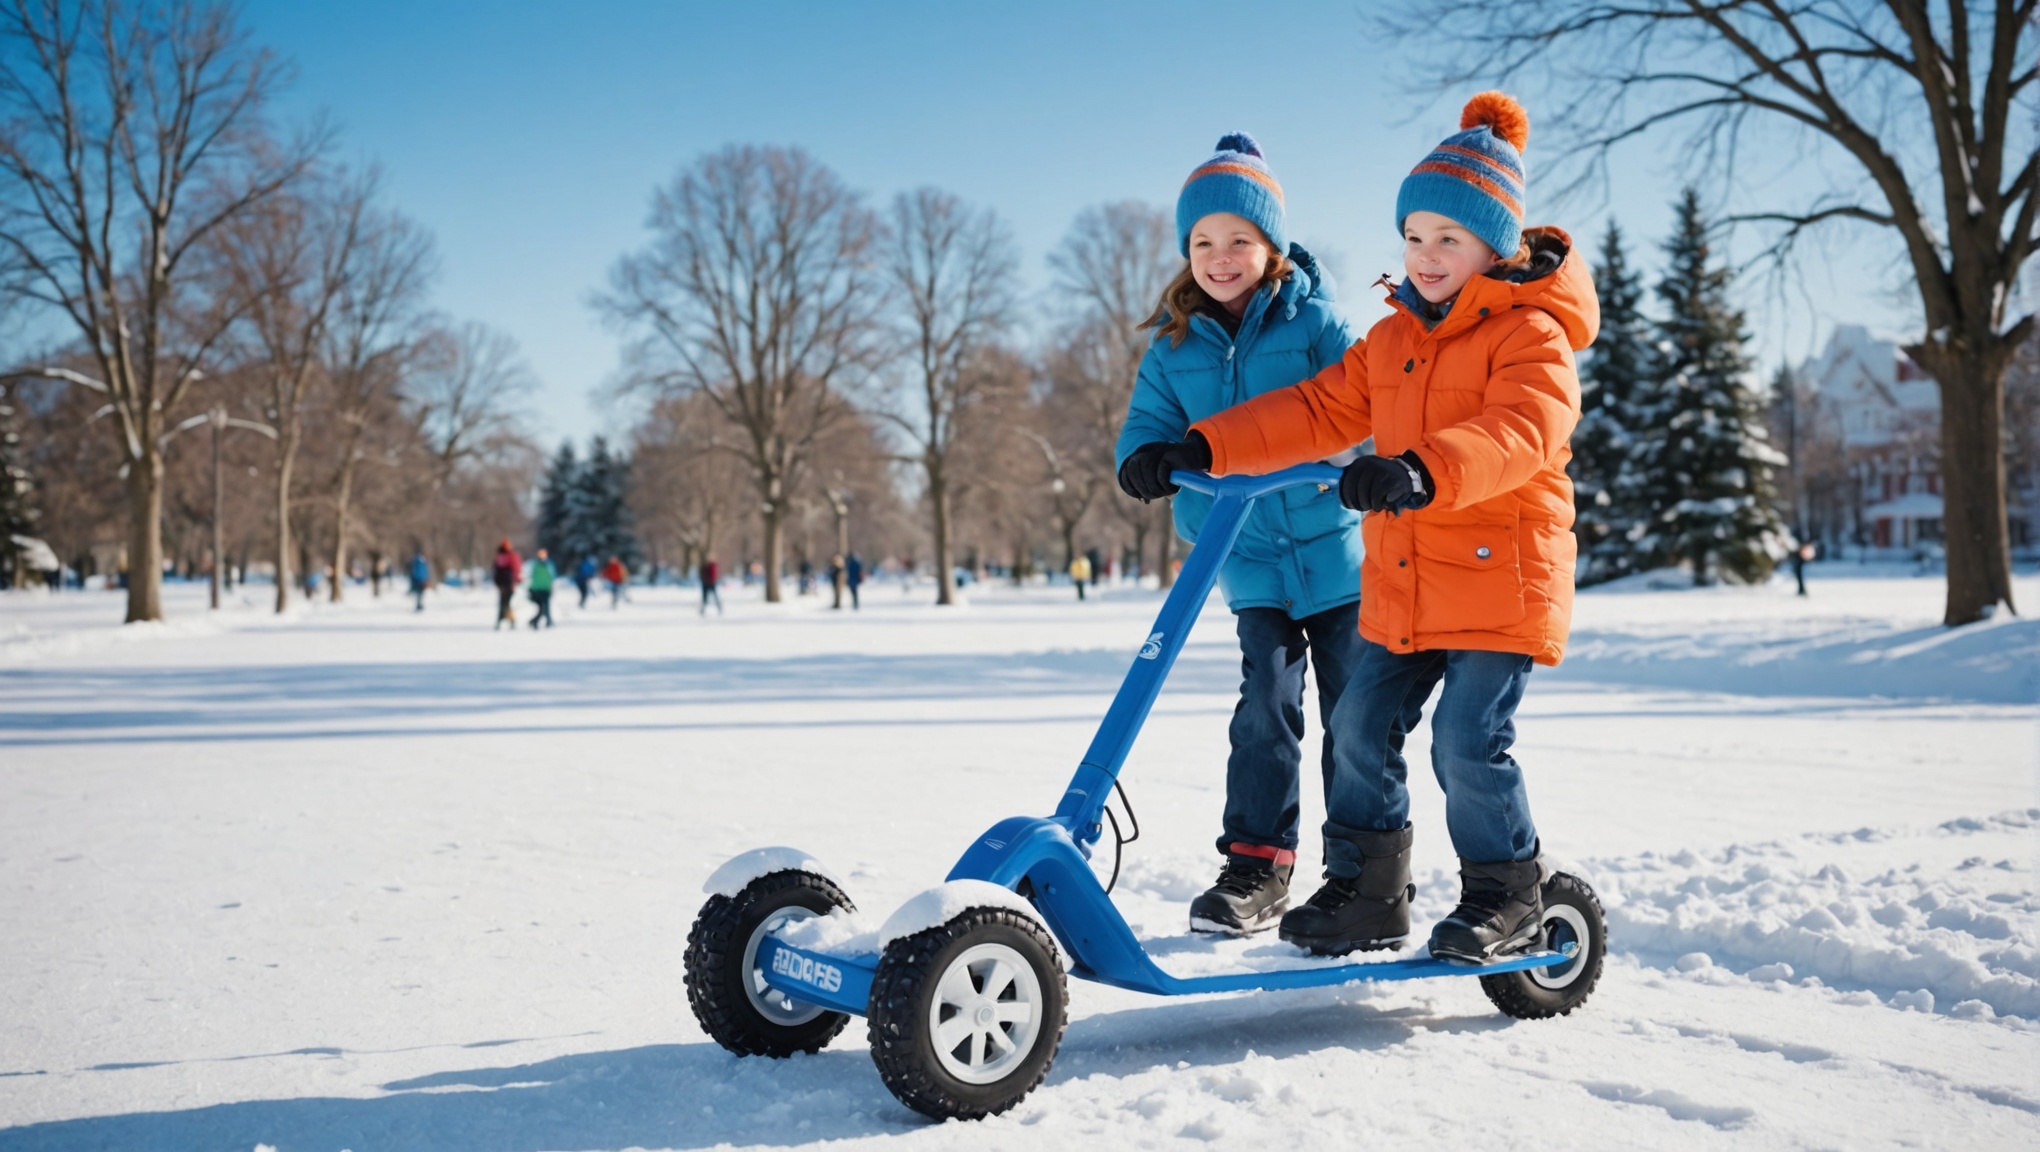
[(540, 589)]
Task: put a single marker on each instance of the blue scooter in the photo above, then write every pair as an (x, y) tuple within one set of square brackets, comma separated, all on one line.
[(964, 988)]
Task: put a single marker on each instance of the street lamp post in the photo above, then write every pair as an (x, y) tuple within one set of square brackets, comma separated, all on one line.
[(220, 422)]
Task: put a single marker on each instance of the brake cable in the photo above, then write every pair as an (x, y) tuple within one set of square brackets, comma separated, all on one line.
[(1119, 842)]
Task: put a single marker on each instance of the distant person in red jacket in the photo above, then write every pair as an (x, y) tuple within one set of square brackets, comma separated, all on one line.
[(509, 571), (711, 575), (617, 575)]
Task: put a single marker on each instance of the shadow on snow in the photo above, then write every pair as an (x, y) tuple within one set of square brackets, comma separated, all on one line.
[(697, 1095)]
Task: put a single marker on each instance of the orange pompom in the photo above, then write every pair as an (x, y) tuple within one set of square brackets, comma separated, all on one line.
[(1501, 114)]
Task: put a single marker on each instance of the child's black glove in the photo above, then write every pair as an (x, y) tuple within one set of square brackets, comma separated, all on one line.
[(1145, 475), (1386, 484)]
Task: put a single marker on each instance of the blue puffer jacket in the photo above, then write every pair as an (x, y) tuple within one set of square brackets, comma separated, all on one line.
[(1300, 550)]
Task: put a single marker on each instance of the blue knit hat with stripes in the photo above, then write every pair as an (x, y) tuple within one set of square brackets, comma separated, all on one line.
[(1237, 180), (1475, 178)]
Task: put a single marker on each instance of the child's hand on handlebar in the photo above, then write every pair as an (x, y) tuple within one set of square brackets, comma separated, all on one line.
[(1145, 475)]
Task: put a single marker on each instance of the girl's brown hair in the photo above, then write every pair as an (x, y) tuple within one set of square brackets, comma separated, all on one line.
[(1183, 297)]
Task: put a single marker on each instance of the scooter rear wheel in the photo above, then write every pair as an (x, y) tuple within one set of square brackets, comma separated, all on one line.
[(966, 1016), (725, 984), (1572, 921)]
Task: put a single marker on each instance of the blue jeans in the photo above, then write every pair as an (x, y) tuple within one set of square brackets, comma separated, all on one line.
[(1267, 724), (1487, 810)]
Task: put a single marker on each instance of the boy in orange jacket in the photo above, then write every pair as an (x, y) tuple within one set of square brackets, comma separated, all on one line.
[(1470, 391)]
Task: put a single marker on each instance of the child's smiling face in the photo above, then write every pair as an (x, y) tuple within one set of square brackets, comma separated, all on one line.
[(1228, 256), (1440, 256)]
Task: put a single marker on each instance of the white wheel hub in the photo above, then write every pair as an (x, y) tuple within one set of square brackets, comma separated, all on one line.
[(986, 1013), (1564, 926), (770, 1002)]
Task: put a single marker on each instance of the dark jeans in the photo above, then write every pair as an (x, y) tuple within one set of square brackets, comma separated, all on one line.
[(709, 595), (1267, 724), (503, 595), (1487, 810), (542, 599)]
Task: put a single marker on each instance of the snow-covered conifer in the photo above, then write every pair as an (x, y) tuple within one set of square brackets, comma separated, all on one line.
[(600, 520), (1609, 421), (1700, 468), (18, 515), (553, 503)]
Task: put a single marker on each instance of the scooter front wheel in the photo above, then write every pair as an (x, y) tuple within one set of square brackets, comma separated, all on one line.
[(1573, 924), (725, 984), (966, 1016)]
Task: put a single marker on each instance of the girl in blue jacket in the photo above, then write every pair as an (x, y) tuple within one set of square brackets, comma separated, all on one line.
[(1248, 314)]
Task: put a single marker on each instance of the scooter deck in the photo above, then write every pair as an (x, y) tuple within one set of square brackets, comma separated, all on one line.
[(843, 982), (1318, 975)]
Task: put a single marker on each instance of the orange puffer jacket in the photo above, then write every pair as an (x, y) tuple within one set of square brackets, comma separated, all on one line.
[(1488, 399)]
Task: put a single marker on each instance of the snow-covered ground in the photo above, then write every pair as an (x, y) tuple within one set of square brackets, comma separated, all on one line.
[(363, 878)]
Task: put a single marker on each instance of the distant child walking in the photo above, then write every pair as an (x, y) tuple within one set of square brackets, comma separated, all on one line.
[(584, 578), (508, 571), (617, 576), (711, 575), (540, 589), (1470, 391), (1251, 312), (421, 577)]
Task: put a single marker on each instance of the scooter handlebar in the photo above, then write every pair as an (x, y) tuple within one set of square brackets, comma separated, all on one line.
[(1248, 487)]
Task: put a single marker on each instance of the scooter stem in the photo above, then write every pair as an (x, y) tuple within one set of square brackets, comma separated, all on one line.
[(1083, 805)]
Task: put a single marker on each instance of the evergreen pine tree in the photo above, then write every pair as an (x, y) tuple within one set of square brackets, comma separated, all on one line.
[(18, 515), (553, 501), (1700, 469), (599, 516), (1608, 418)]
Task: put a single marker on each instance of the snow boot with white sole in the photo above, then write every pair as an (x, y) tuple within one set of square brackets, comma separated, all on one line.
[(1501, 911), (1363, 913), (1251, 895)]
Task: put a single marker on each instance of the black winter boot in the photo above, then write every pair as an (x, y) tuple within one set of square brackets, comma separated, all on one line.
[(1367, 912), (1252, 893), (1501, 911)]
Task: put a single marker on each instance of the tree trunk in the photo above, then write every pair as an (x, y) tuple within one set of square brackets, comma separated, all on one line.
[(219, 535), (145, 537), (945, 579), (773, 521), (1166, 571), (340, 502), (285, 459), (1973, 490)]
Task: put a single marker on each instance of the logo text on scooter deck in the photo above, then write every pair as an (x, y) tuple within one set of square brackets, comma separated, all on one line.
[(827, 977), (1153, 648)]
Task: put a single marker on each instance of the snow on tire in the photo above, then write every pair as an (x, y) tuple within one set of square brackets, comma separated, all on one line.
[(725, 985), (1572, 917), (966, 1017)]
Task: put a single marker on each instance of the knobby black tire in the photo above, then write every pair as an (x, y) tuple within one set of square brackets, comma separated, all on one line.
[(715, 958), (1516, 994), (898, 1015)]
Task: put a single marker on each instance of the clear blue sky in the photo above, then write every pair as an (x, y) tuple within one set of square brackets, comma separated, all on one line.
[(529, 136)]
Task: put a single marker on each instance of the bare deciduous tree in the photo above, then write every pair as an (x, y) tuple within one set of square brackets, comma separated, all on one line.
[(290, 263), (1112, 266), (688, 476), (758, 292), (465, 392), (951, 268), (372, 342), (1918, 106), (135, 132)]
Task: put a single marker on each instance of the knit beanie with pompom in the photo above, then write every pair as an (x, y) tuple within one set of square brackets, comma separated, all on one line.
[(1475, 178), (1236, 179)]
